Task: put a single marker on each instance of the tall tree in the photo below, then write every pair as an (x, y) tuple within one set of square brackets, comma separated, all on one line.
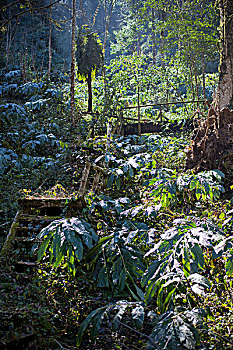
[(72, 77), (212, 141), (225, 88), (50, 39), (89, 59)]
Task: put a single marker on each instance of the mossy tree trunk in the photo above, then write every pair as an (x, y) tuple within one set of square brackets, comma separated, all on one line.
[(225, 88), (89, 109)]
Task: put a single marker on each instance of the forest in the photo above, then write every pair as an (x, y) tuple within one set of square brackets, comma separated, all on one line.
[(116, 174)]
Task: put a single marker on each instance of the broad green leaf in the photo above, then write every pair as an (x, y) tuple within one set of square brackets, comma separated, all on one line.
[(102, 279), (138, 314), (43, 248), (122, 307), (229, 264), (198, 254), (122, 279), (56, 243), (118, 183), (87, 322), (110, 181)]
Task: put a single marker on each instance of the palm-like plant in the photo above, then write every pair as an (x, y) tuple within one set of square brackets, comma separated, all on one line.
[(89, 57)]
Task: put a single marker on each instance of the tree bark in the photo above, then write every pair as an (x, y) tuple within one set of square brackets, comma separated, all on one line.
[(203, 75), (50, 40), (162, 17), (89, 109), (72, 78), (225, 87), (153, 36), (212, 141)]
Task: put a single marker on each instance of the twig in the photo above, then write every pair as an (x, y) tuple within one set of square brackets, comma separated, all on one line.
[(125, 346), (141, 334), (66, 346), (27, 10), (222, 337)]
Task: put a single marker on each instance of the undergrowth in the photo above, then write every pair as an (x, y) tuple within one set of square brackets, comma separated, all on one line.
[(161, 256)]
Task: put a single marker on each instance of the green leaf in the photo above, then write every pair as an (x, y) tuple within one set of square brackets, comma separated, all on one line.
[(229, 264), (110, 181), (139, 292), (198, 254), (193, 185), (118, 183), (56, 243), (138, 314), (122, 279), (116, 268), (200, 282), (86, 323), (43, 248), (168, 298), (131, 172), (76, 243), (122, 306), (102, 279)]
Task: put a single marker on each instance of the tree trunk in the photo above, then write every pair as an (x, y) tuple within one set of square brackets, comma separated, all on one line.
[(72, 78), (50, 40), (212, 141), (106, 26), (203, 75), (89, 109), (153, 36), (162, 18), (225, 88)]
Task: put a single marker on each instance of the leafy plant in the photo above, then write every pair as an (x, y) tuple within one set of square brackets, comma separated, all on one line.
[(116, 264), (118, 309), (169, 188), (7, 158), (177, 330), (65, 238), (29, 89), (180, 260)]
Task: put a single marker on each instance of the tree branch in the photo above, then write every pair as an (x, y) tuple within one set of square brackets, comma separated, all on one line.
[(33, 9), (141, 334)]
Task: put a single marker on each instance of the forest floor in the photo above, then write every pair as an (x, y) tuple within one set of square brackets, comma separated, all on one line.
[(142, 194)]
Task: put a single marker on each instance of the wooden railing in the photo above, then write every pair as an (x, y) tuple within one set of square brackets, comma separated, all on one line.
[(120, 115), (160, 115)]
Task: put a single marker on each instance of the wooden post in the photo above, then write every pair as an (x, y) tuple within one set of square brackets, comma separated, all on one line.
[(9, 240), (96, 181), (84, 179), (139, 116), (120, 126)]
